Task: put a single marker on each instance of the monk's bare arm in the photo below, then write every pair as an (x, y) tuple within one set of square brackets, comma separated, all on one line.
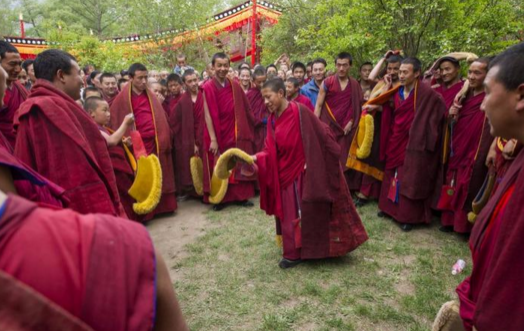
[(376, 70), (116, 137), (210, 128), (7, 184), (320, 100), (169, 315)]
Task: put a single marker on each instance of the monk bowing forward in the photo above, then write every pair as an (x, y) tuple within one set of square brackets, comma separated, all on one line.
[(302, 183)]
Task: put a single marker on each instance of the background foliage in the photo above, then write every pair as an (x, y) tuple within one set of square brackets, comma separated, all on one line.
[(307, 29)]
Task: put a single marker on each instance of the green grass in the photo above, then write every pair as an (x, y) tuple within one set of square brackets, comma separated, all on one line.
[(395, 281)]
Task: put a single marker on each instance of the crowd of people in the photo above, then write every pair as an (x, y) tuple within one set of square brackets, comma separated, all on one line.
[(314, 144)]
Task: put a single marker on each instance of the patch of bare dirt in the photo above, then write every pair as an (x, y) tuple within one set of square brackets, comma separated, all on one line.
[(171, 233)]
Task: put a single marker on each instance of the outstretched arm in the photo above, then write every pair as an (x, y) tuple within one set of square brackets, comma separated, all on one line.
[(116, 137)]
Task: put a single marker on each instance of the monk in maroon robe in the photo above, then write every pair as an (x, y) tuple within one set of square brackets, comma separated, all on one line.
[(15, 93), (490, 298), (100, 269), (229, 123), (108, 87), (450, 75), (256, 102), (151, 122), (302, 183), (409, 141), (339, 104), (59, 140), (174, 93), (293, 93), (187, 123), (469, 146)]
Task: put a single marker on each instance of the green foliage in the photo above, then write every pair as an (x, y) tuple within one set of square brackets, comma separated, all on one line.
[(422, 28)]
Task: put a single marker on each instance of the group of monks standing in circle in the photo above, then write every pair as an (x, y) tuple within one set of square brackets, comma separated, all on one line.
[(314, 144)]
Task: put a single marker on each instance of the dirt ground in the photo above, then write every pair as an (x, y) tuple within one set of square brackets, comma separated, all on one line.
[(171, 233)]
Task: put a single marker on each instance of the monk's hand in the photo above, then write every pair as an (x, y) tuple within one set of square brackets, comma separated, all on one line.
[(507, 152), (196, 150), (388, 80), (129, 119), (490, 159), (254, 158), (454, 111), (372, 108), (213, 148), (127, 141), (388, 54)]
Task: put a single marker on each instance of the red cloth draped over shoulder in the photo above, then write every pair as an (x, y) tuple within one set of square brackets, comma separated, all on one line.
[(99, 268), (172, 103), (471, 143), (12, 100), (186, 123), (161, 138), (233, 122), (31, 185), (340, 107), (305, 101), (325, 194), (450, 93), (423, 148), (24, 309), (61, 142), (109, 99), (488, 298), (260, 113)]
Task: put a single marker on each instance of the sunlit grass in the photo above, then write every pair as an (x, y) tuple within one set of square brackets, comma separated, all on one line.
[(396, 281)]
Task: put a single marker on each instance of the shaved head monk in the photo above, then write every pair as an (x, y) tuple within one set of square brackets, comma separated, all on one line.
[(339, 105), (245, 78), (15, 93), (174, 93), (298, 70), (229, 123), (151, 122), (449, 69), (59, 140), (109, 87), (258, 107), (491, 299), (187, 124), (100, 269), (409, 139), (305, 206), (293, 93), (469, 147)]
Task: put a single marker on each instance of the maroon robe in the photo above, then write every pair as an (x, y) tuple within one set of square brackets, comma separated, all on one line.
[(31, 185), (186, 123), (489, 298), (234, 127), (24, 309), (99, 268), (151, 122), (260, 112), (302, 99), (450, 93), (170, 103), (13, 98), (340, 107), (410, 146), (60, 141), (466, 167), (125, 176), (303, 199)]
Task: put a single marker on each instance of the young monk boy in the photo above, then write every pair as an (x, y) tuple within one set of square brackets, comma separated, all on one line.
[(293, 93), (98, 109), (314, 213)]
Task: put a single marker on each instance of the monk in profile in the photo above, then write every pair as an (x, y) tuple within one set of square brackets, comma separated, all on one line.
[(258, 107), (59, 140), (302, 183)]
